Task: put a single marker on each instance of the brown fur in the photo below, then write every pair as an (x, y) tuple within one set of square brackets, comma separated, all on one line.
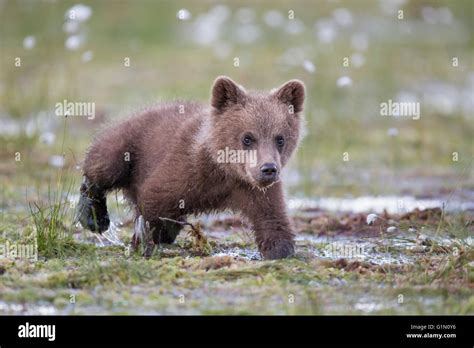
[(173, 160)]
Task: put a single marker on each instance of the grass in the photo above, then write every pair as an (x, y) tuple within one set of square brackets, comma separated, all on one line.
[(53, 237), (178, 280)]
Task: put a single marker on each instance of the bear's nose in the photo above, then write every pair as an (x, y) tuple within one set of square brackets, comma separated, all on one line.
[(269, 171)]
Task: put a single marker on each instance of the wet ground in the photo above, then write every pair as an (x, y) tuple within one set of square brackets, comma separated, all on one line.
[(416, 262)]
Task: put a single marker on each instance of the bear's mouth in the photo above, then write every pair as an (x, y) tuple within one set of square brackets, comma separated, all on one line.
[(260, 182), (266, 183)]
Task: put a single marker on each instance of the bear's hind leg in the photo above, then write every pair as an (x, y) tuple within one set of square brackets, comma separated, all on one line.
[(149, 235), (92, 208), (168, 230), (107, 166)]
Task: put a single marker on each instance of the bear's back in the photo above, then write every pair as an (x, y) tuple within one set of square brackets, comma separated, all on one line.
[(159, 132)]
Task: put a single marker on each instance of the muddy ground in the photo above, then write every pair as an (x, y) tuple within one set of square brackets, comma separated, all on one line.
[(420, 262)]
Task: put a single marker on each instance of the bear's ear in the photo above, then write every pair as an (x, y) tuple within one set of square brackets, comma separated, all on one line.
[(292, 93), (225, 93)]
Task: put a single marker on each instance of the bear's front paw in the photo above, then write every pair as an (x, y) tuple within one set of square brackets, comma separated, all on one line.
[(278, 249)]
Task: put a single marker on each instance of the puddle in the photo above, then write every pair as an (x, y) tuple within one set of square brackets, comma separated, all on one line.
[(376, 251), (366, 251), (107, 238), (111, 235), (245, 253), (377, 204), (395, 248)]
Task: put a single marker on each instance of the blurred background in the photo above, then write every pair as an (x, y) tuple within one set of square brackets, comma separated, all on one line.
[(352, 55)]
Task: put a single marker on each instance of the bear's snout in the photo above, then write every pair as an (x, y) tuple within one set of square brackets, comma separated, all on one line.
[(268, 173)]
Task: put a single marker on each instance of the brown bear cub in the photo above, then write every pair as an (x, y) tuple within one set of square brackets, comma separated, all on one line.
[(178, 159)]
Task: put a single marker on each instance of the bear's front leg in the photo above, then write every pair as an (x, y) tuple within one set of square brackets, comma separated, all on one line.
[(266, 210)]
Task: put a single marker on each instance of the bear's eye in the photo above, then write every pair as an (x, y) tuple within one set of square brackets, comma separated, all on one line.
[(280, 141), (247, 140)]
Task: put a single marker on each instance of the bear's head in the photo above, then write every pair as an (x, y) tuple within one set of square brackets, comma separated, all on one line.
[(253, 134)]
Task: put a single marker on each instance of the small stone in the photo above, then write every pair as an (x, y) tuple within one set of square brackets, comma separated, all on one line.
[(371, 219), (391, 229)]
